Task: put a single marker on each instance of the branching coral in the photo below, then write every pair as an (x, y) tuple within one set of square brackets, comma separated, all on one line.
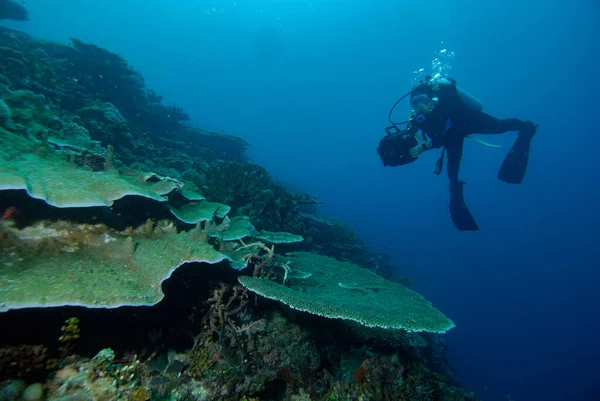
[(253, 257), (236, 184)]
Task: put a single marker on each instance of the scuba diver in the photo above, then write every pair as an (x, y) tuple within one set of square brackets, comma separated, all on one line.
[(446, 114)]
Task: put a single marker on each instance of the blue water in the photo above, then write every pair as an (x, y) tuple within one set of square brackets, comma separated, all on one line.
[(310, 83)]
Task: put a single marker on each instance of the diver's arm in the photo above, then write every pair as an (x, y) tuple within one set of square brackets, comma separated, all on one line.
[(435, 143), (420, 148)]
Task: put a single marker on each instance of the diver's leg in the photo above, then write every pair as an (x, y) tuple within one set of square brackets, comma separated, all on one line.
[(461, 217), (514, 165), (483, 123)]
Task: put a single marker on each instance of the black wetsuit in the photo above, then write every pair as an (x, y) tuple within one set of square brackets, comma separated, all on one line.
[(447, 126)]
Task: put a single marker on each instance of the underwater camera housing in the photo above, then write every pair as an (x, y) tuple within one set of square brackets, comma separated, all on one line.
[(394, 148)]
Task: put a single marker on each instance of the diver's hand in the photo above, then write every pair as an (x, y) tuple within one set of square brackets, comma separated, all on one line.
[(417, 150)]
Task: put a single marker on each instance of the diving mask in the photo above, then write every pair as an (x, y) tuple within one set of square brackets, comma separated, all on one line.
[(423, 105), (420, 101)]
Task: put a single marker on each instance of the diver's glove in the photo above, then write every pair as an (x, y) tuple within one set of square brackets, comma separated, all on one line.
[(417, 150)]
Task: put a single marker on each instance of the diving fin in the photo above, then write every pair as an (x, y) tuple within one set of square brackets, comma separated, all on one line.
[(460, 214), (514, 166)]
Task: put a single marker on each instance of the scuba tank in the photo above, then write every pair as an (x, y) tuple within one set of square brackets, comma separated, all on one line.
[(469, 100), (425, 96), (465, 97)]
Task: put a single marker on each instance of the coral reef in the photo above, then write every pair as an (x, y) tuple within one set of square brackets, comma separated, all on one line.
[(278, 238), (29, 165), (100, 91), (5, 116), (389, 378), (102, 378), (9, 9), (23, 361), (326, 287), (60, 263), (125, 235)]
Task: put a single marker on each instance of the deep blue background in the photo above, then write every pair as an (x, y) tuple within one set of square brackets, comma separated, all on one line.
[(312, 95)]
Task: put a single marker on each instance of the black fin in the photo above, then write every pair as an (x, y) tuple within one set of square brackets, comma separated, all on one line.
[(514, 166), (459, 212)]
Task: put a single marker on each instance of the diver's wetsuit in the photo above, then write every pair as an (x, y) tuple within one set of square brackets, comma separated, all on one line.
[(450, 121)]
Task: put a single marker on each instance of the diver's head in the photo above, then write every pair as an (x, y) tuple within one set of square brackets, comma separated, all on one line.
[(422, 101)]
